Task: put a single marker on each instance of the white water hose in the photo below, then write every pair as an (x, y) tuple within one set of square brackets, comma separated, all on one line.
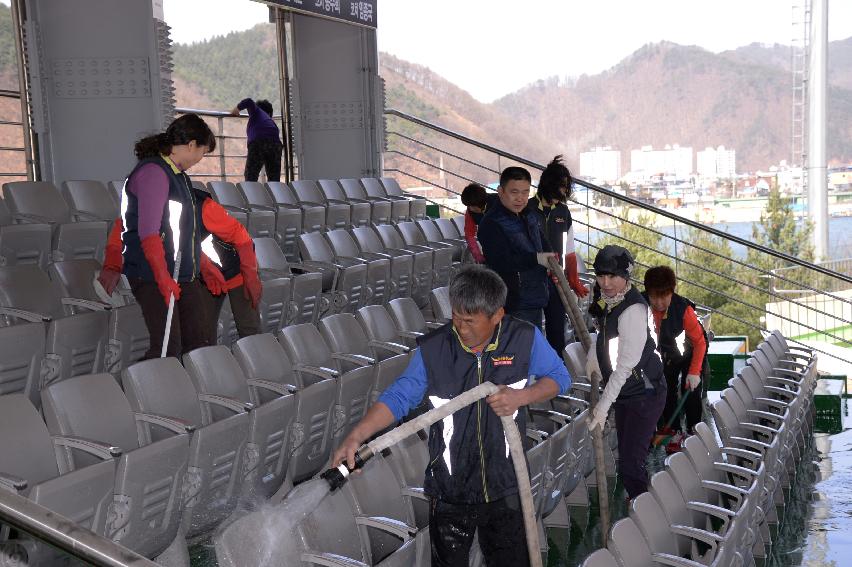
[(513, 438)]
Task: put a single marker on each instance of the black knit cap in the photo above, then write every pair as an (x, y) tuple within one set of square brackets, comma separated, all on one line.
[(614, 260)]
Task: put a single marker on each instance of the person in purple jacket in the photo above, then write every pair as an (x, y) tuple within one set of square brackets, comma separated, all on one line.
[(263, 139)]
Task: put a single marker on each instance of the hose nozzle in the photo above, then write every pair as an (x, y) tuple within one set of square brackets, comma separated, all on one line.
[(337, 477)]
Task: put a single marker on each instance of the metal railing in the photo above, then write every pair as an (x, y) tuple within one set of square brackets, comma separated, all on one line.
[(50, 528), (746, 294), (6, 93)]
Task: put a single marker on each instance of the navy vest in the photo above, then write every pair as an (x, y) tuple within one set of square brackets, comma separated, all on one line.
[(526, 289), (671, 326), (647, 375), (556, 220), (468, 454), (192, 230)]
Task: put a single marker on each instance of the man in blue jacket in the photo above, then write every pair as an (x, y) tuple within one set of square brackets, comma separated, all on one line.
[(470, 479), (515, 247)]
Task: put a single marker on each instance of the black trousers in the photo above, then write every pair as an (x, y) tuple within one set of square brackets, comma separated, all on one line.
[(554, 320), (190, 321), (693, 407), (246, 319), (263, 153), (502, 537), (634, 424)]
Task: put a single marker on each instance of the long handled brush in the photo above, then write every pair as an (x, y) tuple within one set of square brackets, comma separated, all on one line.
[(661, 438)]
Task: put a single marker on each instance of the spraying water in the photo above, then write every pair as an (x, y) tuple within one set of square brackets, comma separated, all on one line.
[(268, 537)]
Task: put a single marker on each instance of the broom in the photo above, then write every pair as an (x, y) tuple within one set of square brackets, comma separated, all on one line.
[(661, 438)]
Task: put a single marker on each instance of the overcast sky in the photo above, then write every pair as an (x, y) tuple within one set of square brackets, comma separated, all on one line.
[(493, 47)]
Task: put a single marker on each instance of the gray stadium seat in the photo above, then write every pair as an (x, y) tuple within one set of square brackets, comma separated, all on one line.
[(402, 261), (311, 356), (379, 282), (423, 272), (331, 535), (22, 360), (84, 496), (307, 285), (382, 331), (215, 371), (600, 558), (338, 214), (432, 232), (458, 220), (409, 320), (378, 493), (439, 299), (116, 187), (90, 201), (288, 220), (355, 193), (23, 243), (443, 253), (41, 202), (162, 387), (270, 373), (361, 210), (313, 214), (345, 336), (261, 220), (399, 205), (448, 229), (417, 204), (347, 277), (128, 334), (149, 476), (274, 306), (77, 330)]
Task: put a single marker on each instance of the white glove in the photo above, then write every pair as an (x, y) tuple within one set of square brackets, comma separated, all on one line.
[(598, 416), (592, 363), (543, 257), (692, 381)]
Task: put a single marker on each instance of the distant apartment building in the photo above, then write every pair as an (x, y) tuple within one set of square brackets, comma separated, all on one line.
[(601, 163), (672, 160), (716, 163)]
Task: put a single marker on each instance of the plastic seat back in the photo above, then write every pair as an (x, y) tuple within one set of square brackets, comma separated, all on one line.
[(307, 192), (227, 195), (23, 243), (400, 206), (627, 544), (439, 298), (448, 228), (379, 324), (28, 453), (256, 194), (21, 360), (161, 386), (600, 558), (215, 371), (90, 200), (407, 316)]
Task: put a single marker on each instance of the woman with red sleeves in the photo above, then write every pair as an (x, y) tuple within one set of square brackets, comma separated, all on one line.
[(682, 342)]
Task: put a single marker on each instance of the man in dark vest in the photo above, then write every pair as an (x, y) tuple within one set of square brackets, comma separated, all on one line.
[(470, 479), (516, 248), (683, 346)]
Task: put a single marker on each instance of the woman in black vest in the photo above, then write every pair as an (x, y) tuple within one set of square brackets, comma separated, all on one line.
[(161, 215), (630, 365), (554, 188), (683, 346)]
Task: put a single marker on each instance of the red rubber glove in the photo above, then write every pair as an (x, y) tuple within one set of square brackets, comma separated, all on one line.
[(152, 247), (252, 288), (573, 276), (212, 275), (113, 259)]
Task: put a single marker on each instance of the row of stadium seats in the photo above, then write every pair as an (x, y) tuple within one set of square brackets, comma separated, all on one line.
[(714, 502)]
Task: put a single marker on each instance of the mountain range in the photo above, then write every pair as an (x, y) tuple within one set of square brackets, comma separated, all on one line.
[(663, 93)]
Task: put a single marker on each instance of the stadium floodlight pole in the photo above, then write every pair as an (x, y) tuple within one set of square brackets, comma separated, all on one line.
[(569, 301)]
